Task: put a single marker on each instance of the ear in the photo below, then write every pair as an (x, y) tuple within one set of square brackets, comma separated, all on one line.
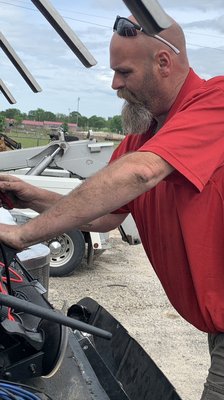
[(163, 59)]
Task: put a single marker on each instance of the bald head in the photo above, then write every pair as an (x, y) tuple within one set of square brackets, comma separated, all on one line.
[(151, 69), (173, 35)]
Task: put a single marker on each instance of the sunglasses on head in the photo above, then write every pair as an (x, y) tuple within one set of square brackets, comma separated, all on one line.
[(125, 27)]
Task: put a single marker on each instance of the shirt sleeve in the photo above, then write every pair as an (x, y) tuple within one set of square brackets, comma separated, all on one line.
[(192, 141)]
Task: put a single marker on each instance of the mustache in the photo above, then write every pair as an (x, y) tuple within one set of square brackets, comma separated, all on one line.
[(127, 95)]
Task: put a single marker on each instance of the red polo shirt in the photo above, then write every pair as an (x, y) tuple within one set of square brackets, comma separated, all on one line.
[(181, 220)]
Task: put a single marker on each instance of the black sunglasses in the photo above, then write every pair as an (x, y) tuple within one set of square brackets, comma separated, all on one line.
[(125, 27)]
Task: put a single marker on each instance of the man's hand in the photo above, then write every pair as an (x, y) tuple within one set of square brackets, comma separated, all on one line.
[(20, 192), (24, 195)]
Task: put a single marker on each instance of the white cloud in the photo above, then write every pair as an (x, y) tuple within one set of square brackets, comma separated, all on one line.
[(203, 5), (63, 77)]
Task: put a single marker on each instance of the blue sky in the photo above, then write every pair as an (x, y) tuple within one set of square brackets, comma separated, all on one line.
[(62, 76)]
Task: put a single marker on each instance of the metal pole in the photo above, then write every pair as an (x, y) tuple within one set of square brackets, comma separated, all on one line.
[(44, 163), (77, 116), (51, 315)]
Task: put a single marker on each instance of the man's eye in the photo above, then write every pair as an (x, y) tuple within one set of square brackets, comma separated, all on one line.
[(125, 73)]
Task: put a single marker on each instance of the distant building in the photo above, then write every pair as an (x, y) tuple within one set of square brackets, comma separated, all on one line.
[(50, 125)]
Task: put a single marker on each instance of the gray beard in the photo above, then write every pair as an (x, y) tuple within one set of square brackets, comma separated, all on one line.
[(136, 118)]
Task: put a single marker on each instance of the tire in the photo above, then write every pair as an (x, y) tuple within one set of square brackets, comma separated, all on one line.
[(66, 252)]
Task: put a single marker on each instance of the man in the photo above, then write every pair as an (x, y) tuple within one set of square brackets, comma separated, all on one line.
[(169, 174)]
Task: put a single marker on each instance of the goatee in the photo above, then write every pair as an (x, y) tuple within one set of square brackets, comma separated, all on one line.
[(136, 118)]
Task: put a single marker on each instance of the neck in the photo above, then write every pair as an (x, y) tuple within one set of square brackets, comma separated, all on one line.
[(176, 87), (160, 121)]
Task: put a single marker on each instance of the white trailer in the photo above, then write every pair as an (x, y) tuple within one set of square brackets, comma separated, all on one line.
[(61, 166)]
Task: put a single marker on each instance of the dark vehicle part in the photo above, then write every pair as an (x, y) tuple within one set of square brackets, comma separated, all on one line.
[(88, 367), (30, 346), (10, 143), (66, 252), (123, 368), (34, 343), (67, 138), (33, 335), (23, 305)]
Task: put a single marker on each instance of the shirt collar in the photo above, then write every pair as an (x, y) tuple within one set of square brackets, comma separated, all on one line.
[(192, 82)]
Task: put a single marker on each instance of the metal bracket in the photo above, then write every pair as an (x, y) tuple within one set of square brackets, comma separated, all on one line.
[(149, 14), (6, 47), (66, 33), (5, 91)]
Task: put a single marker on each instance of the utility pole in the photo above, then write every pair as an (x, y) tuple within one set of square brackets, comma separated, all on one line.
[(77, 116)]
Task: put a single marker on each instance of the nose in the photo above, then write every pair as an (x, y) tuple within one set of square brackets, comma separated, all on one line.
[(117, 82)]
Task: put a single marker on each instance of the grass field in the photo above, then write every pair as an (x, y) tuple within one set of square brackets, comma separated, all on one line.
[(29, 140), (34, 140)]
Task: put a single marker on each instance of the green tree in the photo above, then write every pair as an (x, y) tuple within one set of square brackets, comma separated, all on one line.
[(49, 116), (24, 116), (115, 124), (74, 117), (2, 123), (97, 123), (41, 115), (31, 115), (12, 113), (65, 127), (83, 122), (60, 117), (18, 119), (94, 122)]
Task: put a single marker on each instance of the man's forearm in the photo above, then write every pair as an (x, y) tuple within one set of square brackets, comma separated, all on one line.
[(44, 200), (104, 224), (111, 188)]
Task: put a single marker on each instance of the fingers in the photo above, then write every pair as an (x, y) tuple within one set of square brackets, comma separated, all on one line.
[(7, 186), (10, 183), (7, 182), (9, 178)]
